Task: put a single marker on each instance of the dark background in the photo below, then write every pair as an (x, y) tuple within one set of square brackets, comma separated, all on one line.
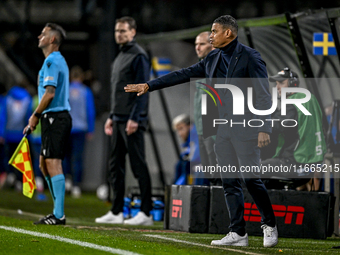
[(90, 27)]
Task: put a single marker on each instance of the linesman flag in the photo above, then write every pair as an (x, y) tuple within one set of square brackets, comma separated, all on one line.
[(22, 161)]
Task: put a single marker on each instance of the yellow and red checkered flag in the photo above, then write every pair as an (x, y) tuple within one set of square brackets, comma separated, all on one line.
[(21, 160)]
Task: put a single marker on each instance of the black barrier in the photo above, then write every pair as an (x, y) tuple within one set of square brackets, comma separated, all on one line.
[(189, 208), (299, 214), (218, 212), (167, 194)]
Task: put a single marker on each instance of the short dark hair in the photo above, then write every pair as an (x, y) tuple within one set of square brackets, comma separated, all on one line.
[(228, 22), (126, 19), (61, 33), (76, 73)]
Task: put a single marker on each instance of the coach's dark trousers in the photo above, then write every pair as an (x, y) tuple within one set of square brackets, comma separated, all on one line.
[(232, 152), (208, 158), (134, 146)]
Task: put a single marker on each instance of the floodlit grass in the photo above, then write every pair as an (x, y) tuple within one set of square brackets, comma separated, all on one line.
[(80, 226)]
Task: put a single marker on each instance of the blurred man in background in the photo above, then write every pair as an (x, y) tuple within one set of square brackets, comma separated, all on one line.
[(83, 120), (190, 154), (299, 145), (3, 163), (126, 125), (35, 145), (206, 145), (17, 110)]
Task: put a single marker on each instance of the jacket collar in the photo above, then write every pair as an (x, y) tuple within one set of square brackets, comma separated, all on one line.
[(233, 61), (230, 47), (127, 46)]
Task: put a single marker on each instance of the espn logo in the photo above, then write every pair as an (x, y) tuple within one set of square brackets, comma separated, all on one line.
[(251, 213), (176, 208)]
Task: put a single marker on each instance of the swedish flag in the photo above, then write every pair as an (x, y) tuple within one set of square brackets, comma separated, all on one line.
[(323, 44), (162, 66)]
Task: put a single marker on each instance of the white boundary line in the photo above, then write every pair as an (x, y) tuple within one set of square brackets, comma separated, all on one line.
[(202, 245), (71, 241)]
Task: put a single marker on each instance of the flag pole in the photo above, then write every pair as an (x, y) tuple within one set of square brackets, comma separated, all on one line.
[(27, 132)]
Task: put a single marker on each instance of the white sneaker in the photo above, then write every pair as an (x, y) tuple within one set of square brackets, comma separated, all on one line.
[(76, 192), (11, 178), (68, 185), (39, 182), (140, 219), (270, 236), (111, 218), (18, 186), (232, 238)]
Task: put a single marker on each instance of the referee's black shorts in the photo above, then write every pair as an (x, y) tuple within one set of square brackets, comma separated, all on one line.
[(55, 132)]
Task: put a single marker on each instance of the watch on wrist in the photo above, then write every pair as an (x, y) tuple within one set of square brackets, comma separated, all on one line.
[(38, 115)]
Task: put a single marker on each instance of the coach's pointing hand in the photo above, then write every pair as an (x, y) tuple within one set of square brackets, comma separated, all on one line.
[(141, 88)]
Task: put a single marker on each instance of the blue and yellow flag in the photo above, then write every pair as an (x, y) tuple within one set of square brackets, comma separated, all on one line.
[(161, 66), (323, 44)]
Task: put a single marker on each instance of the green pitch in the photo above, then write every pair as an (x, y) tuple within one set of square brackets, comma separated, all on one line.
[(82, 236)]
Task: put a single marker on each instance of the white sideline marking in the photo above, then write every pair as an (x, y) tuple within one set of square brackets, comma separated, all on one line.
[(202, 245), (71, 241)]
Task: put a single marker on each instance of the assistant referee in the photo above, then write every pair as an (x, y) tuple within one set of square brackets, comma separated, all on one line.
[(56, 122)]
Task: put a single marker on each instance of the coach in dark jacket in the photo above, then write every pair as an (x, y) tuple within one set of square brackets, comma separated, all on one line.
[(126, 125), (236, 145)]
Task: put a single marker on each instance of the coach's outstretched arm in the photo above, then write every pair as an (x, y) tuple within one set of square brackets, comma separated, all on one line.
[(171, 79), (141, 88)]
